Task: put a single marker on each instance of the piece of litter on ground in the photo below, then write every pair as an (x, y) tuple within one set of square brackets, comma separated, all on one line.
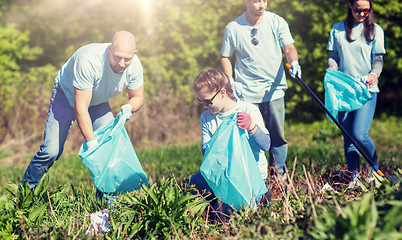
[(356, 182), (327, 187), (99, 222), (353, 184)]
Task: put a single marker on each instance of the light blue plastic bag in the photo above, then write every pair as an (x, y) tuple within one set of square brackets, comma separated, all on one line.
[(343, 92), (113, 164), (230, 168)]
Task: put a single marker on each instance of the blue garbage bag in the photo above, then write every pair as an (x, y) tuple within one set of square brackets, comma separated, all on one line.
[(230, 168), (113, 164), (343, 92)]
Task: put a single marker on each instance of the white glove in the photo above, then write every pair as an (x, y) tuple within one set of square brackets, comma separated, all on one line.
[(235, 89), (295, 69), (92, 143), (126, 110), (363, 79)]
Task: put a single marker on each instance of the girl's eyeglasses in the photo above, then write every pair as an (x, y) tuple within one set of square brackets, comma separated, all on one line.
[(254, 40), (208, 102), (359, 11)]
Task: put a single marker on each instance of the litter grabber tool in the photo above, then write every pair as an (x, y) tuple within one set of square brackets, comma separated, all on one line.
[(390, 178)]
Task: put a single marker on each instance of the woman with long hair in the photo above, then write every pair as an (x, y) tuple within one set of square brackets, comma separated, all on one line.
[(356, 48)]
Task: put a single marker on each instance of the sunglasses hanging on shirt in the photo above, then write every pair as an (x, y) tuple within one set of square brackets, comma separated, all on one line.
[(253, 34)]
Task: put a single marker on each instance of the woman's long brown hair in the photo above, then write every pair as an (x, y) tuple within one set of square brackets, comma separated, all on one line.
[(368, 31)]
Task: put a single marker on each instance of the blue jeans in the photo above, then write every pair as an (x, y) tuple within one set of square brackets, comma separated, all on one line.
[(202, 186), (273, 113), (220, 209), (59, 120), (357, 123)]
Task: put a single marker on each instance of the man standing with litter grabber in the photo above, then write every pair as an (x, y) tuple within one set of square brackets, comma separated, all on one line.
[(257, 39)]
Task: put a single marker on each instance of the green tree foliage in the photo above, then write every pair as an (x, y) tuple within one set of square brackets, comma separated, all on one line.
[(388, 14), (310, 23), (176, 39), (186, 39), (21, 86), (60, 27)]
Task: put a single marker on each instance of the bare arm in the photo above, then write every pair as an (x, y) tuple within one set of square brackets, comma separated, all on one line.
[(82, 100), (290, 52), (136, 98), (227, 66)]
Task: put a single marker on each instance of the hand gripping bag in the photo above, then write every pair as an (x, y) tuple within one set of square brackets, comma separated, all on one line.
[(230, 168), (113, 164), (343, 92)]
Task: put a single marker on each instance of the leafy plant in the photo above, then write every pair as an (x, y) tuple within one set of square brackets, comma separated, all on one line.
[(159, 211), (8, 218), (29, 208), (363, 219), (356, 221), (168, 210)]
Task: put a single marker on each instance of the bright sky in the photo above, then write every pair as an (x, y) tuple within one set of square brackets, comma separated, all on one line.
[(146, 7)]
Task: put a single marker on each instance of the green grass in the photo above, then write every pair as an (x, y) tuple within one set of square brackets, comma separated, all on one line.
[(182, 162), (298, 209)]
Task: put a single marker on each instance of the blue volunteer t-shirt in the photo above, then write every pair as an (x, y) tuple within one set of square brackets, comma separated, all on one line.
[(89, 69), (259, 72), (355, 57)]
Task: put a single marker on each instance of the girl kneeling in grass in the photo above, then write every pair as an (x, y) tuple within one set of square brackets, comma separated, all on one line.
[(214, 92)]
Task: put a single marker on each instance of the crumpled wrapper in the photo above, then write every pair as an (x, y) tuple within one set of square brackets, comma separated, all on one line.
[(328, 188), (99, 223)]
